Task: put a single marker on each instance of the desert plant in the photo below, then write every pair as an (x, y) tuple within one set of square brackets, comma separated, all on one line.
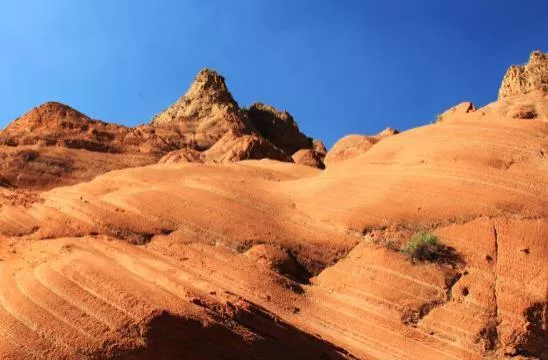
[(425, 247)]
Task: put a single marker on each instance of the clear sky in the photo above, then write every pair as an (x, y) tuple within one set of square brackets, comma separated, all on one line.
[(339, 66)]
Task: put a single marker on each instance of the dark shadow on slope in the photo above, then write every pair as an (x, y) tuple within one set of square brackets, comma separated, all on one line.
[(250, 337)]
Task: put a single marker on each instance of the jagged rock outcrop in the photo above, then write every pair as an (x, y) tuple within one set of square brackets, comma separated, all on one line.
[(319, 147), (351, 146), (522, 79), (43, 147), (205, 113), (308, 157), (279, 128), (212, 127)]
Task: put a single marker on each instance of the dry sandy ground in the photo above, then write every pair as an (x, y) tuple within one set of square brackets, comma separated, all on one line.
[(262, 259)]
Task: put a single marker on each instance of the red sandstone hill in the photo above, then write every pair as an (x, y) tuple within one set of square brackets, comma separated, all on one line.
[(268, 259), (54, 144)]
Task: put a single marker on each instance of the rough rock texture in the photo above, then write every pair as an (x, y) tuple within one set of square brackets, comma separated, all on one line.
[(279, 128), (530, 106), (56, 124), (308, 157), (319, 147), (205, 113), (54, 144), (521, 79), (209, 121), (351, 146), (456, 111), (266, 259), (186, 154), (232, 147), (262, 250)]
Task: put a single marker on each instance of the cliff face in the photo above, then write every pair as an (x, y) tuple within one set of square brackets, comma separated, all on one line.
[(522, 79)]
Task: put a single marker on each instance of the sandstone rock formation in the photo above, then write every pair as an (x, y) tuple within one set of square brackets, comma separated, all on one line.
[(522, 79), (205, 113), (54, 144), (226, 242), (308, 157), (319, 147), (232, 147), (55, 124), (279, 128), (212, 124), (266, 259), (351, 146), (456, 111)]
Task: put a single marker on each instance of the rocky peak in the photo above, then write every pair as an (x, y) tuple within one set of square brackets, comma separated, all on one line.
[(210, 85), (522, 79), (50, 114), (207, 93), (205, 113)]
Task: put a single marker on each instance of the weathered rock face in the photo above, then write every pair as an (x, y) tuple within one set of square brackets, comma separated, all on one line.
[(522, 79), (351, 146), (54, 145), (211, 127), (205, 113), (186, 154), (308, 157), (232, 147), (319, 147), (45, 147), (278, 127), (209, 121), (56, 124)]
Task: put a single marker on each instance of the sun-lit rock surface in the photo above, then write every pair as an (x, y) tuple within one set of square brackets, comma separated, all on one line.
[(522, 79), (202, 257), (351, 146)]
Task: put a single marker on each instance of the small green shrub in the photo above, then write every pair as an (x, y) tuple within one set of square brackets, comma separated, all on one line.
[(425, 247)]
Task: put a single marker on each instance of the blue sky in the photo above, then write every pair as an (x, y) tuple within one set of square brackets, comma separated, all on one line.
[(349, 66)]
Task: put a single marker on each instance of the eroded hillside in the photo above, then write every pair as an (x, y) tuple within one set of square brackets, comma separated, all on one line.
[(195, 259)]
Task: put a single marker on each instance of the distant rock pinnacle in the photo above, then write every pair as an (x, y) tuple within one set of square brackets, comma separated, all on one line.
[(521, 79)]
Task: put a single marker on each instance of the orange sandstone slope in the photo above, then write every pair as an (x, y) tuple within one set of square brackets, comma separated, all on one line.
[(268, 259)]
